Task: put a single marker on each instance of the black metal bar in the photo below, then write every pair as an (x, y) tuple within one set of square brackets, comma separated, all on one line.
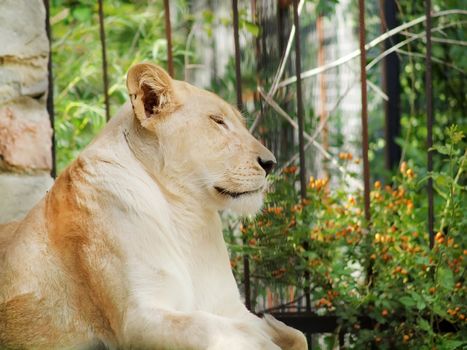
[(312, 323), (308, 321), (168, 34), (50, 89), (298, 69), (246, 277), (238, 77), (366, 165), (300, 117), (238, 72), (104, 60), (391, 86), (429, 121)]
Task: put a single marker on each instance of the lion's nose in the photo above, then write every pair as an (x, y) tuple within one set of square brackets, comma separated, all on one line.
[(267, 164)]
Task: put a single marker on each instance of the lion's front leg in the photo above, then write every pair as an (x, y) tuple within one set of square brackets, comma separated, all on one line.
[(163, 329), (286, 337)]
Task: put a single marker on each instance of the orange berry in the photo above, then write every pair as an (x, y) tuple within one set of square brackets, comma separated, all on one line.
[(290, 169), (345, 156), (432, 290), (403, 167), (377, 185), (452, 312), (406, 338), (243, 229), (384, 313), (378, 238)]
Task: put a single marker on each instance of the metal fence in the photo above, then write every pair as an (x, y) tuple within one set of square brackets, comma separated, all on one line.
[(306, 321)]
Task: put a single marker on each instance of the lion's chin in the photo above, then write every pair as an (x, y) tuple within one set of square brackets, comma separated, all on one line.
[(248, 204)]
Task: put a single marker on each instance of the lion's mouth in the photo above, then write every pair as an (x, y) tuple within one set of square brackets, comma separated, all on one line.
[(225, 192)]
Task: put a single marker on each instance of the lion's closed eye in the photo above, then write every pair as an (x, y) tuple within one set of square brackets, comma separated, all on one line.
[(219, 120)]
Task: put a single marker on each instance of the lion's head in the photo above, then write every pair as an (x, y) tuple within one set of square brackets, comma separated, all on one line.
[(203, 147)]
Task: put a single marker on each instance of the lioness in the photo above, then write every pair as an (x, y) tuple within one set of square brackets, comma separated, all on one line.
[(126, 249)]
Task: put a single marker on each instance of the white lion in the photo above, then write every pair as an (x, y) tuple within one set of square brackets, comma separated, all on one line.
[(126, 249)]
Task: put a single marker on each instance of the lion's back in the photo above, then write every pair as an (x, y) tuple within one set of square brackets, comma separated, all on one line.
[(7, 233)]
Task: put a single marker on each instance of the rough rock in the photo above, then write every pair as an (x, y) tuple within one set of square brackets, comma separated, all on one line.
[(19, 193), (25, 136), (20, 32), (25, 133), (24, 49)]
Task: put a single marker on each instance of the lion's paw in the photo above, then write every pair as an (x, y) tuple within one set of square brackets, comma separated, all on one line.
[(286, 337)]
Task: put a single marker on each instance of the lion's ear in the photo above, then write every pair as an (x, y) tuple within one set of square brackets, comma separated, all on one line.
[(151, 93)]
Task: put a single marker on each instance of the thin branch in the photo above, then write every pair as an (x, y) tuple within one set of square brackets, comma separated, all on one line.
[(284, 58), (280, 69), (320, 126), (455, 182), (406, 41), (292, 122), (434, 59), (449, 41), (377, 89), (440, 40), (315, 71), (187, 49)]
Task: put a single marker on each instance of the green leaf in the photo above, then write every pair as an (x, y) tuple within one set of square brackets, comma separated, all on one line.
[(407, 301), (82, 14), (443, 149), (425, 325), (442, 179), (310, 255), (445, 278), (439, 310), (452, 344), (251, 27)]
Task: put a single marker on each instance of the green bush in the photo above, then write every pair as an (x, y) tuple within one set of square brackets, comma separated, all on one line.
[(385, 274)]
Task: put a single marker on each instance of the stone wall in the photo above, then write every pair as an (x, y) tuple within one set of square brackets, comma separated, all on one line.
[(25, 132)]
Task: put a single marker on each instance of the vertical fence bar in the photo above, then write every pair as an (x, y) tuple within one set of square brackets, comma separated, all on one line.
[(298, 68), (429, 121), (258, 99), (323, 114), (300, 116), (366, 165), (238, 81), (104, 60), (50, 89), (391, 86), (238, 72), (168, 34)]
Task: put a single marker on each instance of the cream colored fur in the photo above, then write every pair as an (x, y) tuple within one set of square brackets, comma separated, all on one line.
[(126, 249)]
